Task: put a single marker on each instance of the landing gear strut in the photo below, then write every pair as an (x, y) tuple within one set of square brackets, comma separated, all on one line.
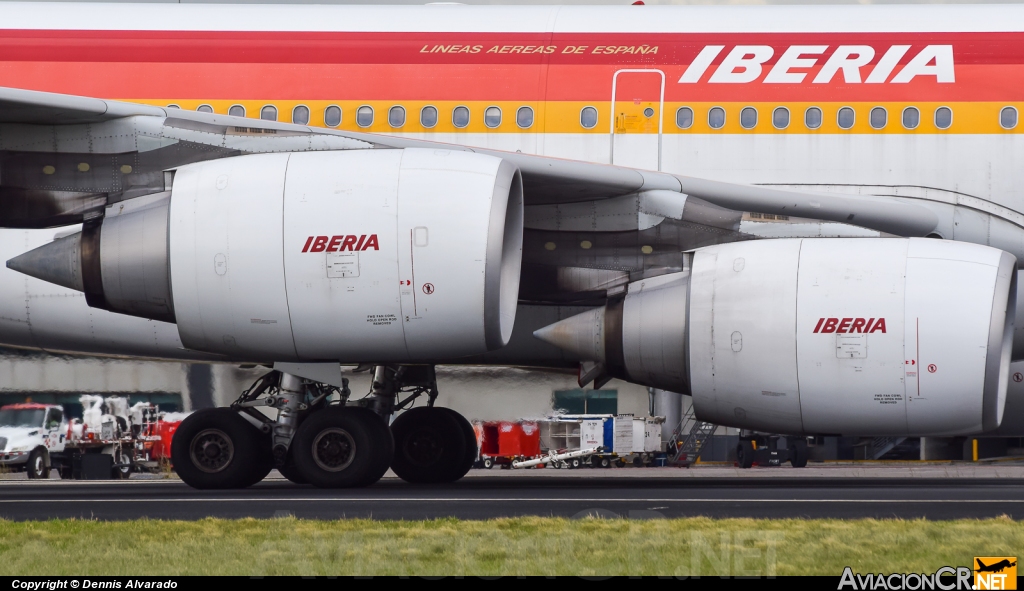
[(322, 438)]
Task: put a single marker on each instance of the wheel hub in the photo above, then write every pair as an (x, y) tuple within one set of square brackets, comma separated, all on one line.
[(424, 447), (334, 449), (212, 451)]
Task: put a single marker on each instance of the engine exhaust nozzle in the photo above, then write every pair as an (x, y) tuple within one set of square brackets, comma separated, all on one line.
[(120, 262)]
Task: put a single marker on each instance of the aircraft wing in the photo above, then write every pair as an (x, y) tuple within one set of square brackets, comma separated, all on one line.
[(40, 126), (548, 180), (47, 108)]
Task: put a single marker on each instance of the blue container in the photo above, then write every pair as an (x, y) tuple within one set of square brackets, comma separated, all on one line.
[(609, 433)]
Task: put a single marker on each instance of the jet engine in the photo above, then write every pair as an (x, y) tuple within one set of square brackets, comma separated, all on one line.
[(818, 336), (363, 255)]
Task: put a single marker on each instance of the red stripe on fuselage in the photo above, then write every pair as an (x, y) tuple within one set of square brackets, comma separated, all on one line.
[(372, 66), (408, 48), (459, 82)]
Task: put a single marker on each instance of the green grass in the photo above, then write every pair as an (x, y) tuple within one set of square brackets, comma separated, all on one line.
[(681, 547)]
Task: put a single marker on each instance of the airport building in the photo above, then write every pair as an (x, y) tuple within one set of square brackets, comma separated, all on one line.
[(479, 393)]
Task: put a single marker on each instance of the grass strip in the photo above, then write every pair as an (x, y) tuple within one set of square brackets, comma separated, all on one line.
[(522, 546)]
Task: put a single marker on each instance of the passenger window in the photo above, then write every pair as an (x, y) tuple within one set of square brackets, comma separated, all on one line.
[(716, 118), (911, 117), (364, 116), (268, 113), (812, 118), (300, 115), (428, 117), (332, 116), (492, 117), (845, 118), (1008, 118), (236, 111), (396, 116), (878, 117), (780, 117), (684, 117), (588, 117), (943, 117), (748, 117), (524, 117), (460, 117), (204, 109)]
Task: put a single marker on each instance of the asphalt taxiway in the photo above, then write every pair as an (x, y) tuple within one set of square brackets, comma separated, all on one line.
[(937, 492)]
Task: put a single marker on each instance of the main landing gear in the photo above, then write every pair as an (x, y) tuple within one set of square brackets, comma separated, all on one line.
[(322, 438)]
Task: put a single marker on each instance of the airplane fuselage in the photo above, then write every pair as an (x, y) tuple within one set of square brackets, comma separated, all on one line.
[(916, 102), (905, 101)]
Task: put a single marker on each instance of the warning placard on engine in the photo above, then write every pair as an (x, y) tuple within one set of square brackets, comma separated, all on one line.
[(341, 265), (851, 346), (381, 319)]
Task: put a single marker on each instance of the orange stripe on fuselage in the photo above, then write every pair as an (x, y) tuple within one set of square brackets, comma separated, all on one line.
[(563, 117)]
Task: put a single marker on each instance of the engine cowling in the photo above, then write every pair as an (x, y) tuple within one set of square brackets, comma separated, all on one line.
[(854, 336), (368, 255)]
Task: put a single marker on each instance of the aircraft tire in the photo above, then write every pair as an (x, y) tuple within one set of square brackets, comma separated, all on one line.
[(430, 446), (798, 456), (745, 454), (215, 448), (264, 459), (290, 472), (470, 437), (342, 447)]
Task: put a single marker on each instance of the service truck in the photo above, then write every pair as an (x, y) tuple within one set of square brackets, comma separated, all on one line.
[(36, 438)]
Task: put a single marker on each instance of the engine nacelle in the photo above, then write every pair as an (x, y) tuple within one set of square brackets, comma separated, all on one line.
[(820, 336), (368, 255)]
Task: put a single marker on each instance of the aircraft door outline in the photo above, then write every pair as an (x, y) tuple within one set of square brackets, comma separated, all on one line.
[(616, 120)]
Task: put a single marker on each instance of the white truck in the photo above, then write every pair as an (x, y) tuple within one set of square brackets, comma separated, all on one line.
[(39, 437), (30, 435)]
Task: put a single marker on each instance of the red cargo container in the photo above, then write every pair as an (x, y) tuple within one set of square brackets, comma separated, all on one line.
[(487, 438), (518, 439), (162, 448)]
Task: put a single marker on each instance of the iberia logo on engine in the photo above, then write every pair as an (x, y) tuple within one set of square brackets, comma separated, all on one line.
[(339, 243), (849, 325)]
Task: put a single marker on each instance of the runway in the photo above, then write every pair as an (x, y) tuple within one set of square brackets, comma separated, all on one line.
[(486, 497)]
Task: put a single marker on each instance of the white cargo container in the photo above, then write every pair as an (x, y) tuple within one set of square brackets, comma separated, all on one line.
[(622, 442), (591, 433), (639, 435), (652, 434)]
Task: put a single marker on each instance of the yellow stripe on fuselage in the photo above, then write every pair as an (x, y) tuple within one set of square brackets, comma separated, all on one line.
[(564, 116)]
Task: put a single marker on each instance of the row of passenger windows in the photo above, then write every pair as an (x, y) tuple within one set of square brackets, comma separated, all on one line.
[(396, 115), (878, 117), (813, 118)]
